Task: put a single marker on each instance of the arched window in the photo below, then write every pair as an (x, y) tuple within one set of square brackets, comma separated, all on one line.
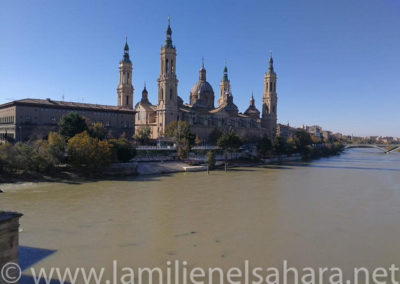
[(170, 94), (127, 100), (166, 66), (172, 66)]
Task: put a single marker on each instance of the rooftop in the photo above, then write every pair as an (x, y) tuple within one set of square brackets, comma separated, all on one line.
[(63, 104)]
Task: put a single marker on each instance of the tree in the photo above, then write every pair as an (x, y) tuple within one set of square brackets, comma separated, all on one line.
[(303, 139), (229, 142), (85, 152), (72, 124), (291, 147), (7, 156), (264, 147), (210, 159), (180, 132), (57, 146), (214, 136), (279, 145), (142, 135), (97, 130), (316, 140), (122, 150)]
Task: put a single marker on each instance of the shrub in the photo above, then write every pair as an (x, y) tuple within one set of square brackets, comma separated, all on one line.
[(85, 152), (210, 159), (143, 135), (264, 147)]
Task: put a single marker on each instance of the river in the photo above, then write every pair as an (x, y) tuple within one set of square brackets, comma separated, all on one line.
[(340, 211)]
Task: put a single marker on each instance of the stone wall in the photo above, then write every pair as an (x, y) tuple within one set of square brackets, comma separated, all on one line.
[(9, 223)]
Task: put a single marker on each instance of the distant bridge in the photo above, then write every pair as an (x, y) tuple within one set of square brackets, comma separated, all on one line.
[(386, 148)]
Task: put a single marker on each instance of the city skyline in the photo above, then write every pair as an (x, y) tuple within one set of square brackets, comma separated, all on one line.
[(348, 85)]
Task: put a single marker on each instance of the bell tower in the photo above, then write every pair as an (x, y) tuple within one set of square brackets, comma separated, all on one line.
[(224, 88), (269, 100), (167, 108), (125, 88)]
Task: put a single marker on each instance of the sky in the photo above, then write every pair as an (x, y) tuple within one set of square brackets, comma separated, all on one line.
[(337, 61)]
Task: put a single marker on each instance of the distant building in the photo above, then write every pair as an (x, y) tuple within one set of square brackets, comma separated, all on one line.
[(326, 134), (286, 131), (315, 130)]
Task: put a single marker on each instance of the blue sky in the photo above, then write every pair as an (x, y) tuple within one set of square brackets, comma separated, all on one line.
[(337, 61)]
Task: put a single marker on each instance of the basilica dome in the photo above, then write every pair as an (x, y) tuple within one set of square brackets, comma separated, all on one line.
[(202, 94)]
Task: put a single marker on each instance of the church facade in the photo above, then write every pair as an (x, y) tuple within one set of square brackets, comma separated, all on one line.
[(201, 113)]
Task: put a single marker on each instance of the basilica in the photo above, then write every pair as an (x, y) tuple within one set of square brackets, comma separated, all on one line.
[(201, 112), (31, 118)]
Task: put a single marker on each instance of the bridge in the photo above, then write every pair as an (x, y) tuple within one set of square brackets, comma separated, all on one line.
[(386, 148)]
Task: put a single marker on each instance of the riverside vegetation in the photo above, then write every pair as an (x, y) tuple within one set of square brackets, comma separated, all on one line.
[(86, 148)]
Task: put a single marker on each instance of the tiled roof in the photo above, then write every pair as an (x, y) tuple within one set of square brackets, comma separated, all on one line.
[(63, 104)]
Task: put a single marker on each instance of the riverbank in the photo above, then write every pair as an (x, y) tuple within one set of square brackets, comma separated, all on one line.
[(125, 170)]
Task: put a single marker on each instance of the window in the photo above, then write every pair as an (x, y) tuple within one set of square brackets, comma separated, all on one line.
[(127, 100), (170, 94)]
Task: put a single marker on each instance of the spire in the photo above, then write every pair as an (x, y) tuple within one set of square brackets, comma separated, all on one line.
[(168, 38), (270, 63), (225, 77), (202, 72), (252, 100), (125, 58), (145, 99)]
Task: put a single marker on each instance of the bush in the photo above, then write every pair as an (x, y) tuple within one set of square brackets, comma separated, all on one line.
[(210, 159), (97, 130), (7, 155), (264, 147), (57, 146), (279, 145), (85, 152)]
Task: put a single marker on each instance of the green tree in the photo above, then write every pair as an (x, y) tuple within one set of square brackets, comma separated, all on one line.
[(303, 139), (229, 142), (291, 147), (142, 135), (7, 156), (180, 132), (122, 150), (91, 154), (279, 145), (72, 124), (97, 130), (210, 159), (264, 147)]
